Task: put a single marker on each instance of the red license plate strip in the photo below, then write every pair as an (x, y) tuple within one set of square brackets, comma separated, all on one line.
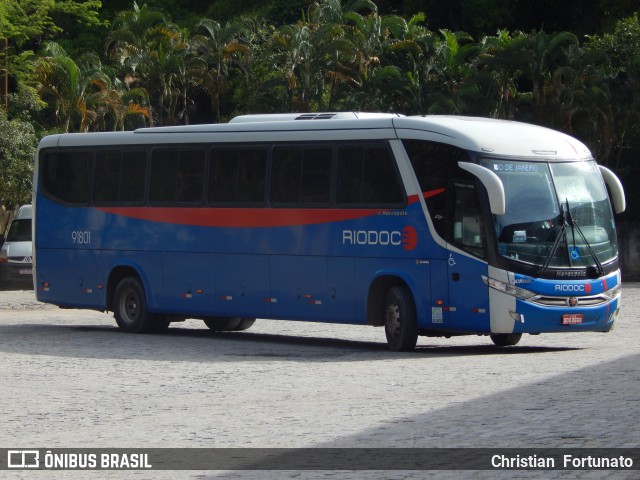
[(572, 318)]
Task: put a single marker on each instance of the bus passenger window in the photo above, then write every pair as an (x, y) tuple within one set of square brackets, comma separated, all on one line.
[(367, 176), (434, 165), (177, 176), (301, 176), (238, 176), (120, 176), (67, 176)]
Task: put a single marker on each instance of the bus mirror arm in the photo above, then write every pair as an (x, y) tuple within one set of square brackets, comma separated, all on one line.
[(616, 189), (491, 182)]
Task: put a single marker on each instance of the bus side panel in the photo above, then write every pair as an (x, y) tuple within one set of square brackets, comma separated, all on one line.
[(91, 279), (189, 283), (312, 288), (342, 290), (57, 279), (299, 287), (242, 285)]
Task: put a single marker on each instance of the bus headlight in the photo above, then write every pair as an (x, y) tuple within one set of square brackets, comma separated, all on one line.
[(507, 288), (612, 293)]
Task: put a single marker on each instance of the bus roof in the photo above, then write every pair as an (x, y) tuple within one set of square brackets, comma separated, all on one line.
[(483, 135), (492, 136)]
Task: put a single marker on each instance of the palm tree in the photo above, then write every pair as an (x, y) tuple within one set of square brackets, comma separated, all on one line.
[(452, 65), (294, 56), (151, 53), (130, 32), (410, 47), (498, 70), (69, 89), (539, 56), (216, 50), (81, 94)]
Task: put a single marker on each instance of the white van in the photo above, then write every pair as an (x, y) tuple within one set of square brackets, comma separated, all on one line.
[(16, 252)]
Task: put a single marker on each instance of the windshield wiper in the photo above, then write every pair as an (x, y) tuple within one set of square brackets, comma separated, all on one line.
[(574, 226), (562, 234)]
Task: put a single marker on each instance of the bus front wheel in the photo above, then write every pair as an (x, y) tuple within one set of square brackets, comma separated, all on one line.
[(400, 325), (505, 339), (234, 324), (130, 308)]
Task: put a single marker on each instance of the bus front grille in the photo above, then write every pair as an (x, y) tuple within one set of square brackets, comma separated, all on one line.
[(548, 301)]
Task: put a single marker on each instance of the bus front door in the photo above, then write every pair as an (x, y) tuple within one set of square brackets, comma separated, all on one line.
[(468, 294)]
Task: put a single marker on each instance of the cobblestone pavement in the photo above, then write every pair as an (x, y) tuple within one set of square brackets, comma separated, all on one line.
[(71, 379)]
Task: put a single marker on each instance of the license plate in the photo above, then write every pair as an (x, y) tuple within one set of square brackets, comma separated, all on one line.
[(25, 271), (572, 318)]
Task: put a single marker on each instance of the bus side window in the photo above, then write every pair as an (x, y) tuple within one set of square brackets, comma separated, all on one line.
[(177, 176), (238, 176), (367, 176), (66, 176), (301, 176), (434, 165), (120, 176)]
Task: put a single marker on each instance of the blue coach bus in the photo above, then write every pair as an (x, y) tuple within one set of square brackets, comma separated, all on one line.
[(423, 225)]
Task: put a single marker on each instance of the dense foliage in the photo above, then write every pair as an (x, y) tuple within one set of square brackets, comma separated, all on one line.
[(74, 67)]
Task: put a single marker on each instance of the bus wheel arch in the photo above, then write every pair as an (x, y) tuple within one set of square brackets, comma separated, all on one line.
[(391, 304), (127, 298), (115, 277)]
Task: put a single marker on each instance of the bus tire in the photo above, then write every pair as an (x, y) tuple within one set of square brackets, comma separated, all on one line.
[(130, 307), (233, 324), (160, 324), (400, 327), (505, 339)]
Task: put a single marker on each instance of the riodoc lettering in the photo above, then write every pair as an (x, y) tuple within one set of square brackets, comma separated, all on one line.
[(573, 288), (371, 237), (407, 238)]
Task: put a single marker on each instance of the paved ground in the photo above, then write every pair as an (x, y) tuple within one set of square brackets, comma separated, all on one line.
[(70, 379)]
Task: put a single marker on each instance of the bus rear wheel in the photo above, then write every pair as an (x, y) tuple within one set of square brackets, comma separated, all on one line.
[(400, 325), (233, 324), (130, 308), (505, 339)]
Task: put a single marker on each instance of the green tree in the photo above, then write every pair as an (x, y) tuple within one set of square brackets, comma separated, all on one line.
[(216, 50), (17, 150), (150, 52), (621, 49), (499, 68), (452, 65), (80, 95), (538, 57), (67, 88), (26, 24)]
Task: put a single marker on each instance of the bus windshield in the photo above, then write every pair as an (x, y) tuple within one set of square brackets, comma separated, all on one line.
[(557, 214)]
